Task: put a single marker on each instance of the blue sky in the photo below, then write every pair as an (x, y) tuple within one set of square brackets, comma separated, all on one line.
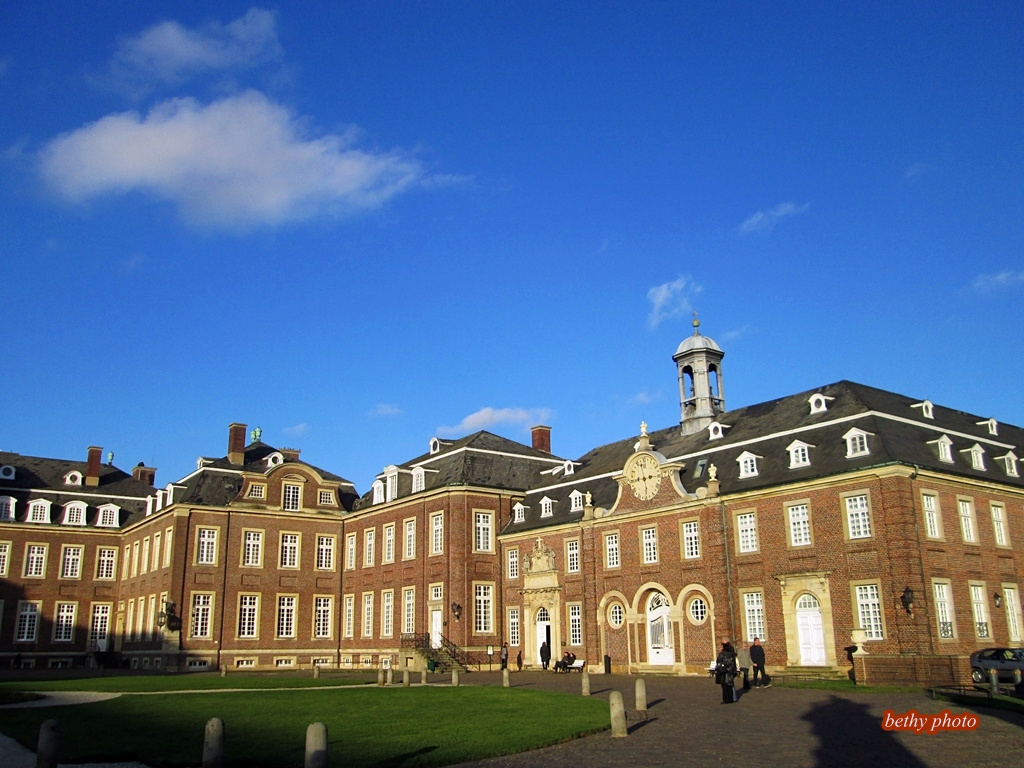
[(358, 225)]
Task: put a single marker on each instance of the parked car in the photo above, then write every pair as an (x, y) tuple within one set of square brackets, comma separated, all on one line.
[(1005, 660)]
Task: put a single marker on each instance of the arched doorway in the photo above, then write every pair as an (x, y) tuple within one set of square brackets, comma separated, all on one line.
[(810, 631), (544, 631), (660, 649)]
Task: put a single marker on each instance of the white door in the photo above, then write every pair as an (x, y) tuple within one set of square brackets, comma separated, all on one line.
[(435, 628), (810, 632), (660, 649), (543, 632)]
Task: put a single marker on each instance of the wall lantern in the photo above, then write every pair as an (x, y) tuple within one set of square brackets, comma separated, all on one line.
[(998, 599), (168, 618), (456, 610), (907, 598)]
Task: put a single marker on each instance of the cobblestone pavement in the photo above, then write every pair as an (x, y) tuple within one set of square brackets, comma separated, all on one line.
[(688, 725)]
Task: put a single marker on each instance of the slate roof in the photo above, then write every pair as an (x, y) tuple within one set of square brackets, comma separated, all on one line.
[(898, 434), (36, 477)]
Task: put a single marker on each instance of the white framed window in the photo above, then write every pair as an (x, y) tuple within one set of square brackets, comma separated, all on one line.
[(999, 525), (856, 443), (99, 627), (819, 402), (513, 627), (7, 504), (858, 517), (409, 610), (157, 538), (1009, 464), (611, 550), (252, 548), (483, 608), (967, 527), (367, 614), (576, 501), (977, 456), (869, 610), (437, 591), (206, 549), (291, 496), (392, 484), (437, 533), (248, 615), (135, 559), (799, 454), (410, 539), (35, 561), (289, 550), (575, 624), (547, 507), (691, 539), (616, 615), (698, 610), (387, 613), (39, 511), (64, 622), (74, 513), (286, 616), (202, 607), (325, 553), (378, 492), (369, 545), (167, 547), (27, 627), (350, 615), (753, 611), (106, 564), (389, 543), (932, 517), (746, 531), (483, 528), (748, 464), (256, 491), (944, 616), (649, 539), (512, 562), (418, 479), (979, 609), (799, 525), (5, 557), (326, 498), (350, 551), (518, 513), (108, 517), (1014, 622), (144, 561), (71, 563), (572, 555)]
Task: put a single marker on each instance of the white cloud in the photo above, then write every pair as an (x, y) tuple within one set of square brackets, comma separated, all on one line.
[(644, 398), (168, 54), (239, 162), (386, 409), (298, 429), (670, 300), (915, 170), (764, 221), (490, 417), (735, 333), (993, 282)]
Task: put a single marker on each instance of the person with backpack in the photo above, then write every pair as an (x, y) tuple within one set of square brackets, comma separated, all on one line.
[(725, 672)]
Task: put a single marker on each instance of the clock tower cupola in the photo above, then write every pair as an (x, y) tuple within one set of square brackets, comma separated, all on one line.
[(701, 393)]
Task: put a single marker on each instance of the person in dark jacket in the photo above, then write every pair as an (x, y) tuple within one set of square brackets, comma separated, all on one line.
[(504, 656), (725, 672), (757, 661), (545, 655)]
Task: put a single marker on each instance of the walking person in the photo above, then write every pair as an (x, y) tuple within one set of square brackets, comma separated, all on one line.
[(725, 672), (545, 655), (743, 662), (504, 656), (757, 659)]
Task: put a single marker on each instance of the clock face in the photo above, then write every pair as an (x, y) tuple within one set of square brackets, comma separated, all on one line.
[(644, 477)]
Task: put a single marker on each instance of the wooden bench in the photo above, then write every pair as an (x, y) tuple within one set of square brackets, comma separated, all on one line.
[(577, 665)]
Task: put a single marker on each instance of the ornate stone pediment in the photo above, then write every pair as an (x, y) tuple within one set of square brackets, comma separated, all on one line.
[(541, 558)]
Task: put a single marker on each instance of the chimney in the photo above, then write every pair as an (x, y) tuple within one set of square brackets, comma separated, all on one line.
[(92, 466), (542, 438), (290, 454), (144, 474), (236, 443)]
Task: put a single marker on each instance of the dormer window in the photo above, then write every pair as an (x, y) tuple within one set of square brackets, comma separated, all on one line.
[(1010, 463), (547, 507), (391, 479), (926, 408), (39, 511), (291, 497), (991, 425), (799, 454), (977, 456), (748, 464), (435, 446), (73, 478), (698, 472), (569, 468), (257, 491), (108, 516), (275, 459), (856, 443), (716, 430), (378, 491), (74, 513), (819, 402), (575, 501), (945, 448), (518, 513), (418, 480), (6, 472), (326, 498), (7, 508)]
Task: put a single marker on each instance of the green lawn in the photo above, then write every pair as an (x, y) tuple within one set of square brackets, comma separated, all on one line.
[(187, 682), (366, 726)]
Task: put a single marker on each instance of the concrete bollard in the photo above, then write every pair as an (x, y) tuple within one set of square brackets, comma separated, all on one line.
[(1018, 684), (993, 681), (389, 676), (505, 682), (223, 671), (641, 697), (316, 746), (380, 677), (49, 744), (213, 743), (316, 671), (618, 714), (405, 678), (455, 678), (585, 682)]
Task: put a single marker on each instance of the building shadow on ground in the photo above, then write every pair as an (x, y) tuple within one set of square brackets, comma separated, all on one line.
[(849, 736)]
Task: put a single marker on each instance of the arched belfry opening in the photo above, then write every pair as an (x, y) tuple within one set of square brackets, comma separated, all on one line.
[(701, 390)]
